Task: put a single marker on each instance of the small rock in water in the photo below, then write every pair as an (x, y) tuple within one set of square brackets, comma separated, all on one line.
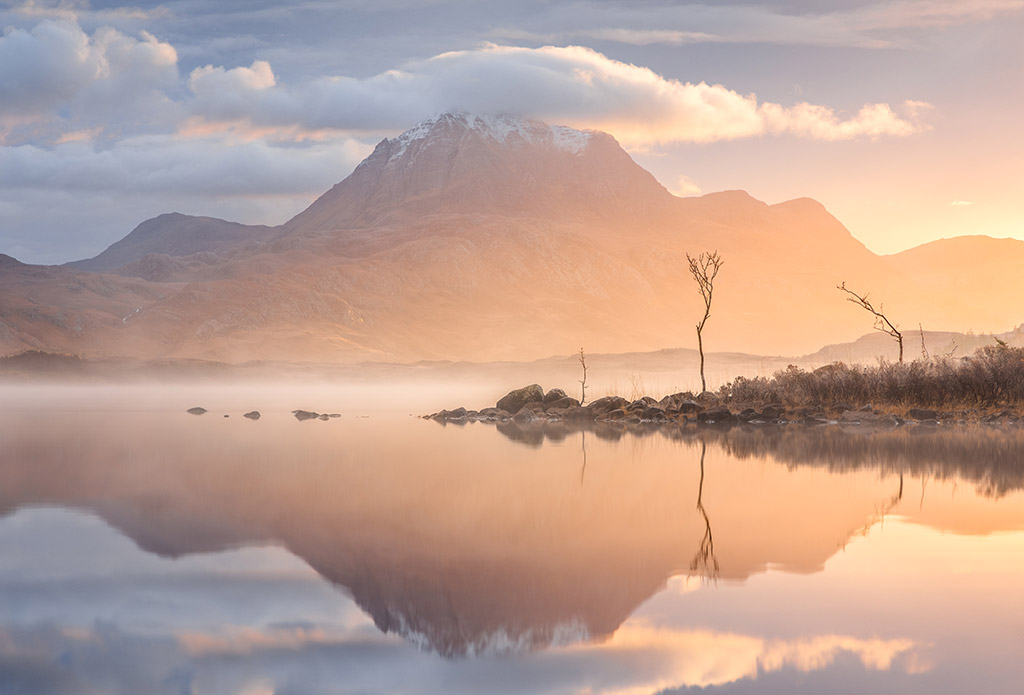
[(253, 415), (227, 416), (196, 411), (305, 414)]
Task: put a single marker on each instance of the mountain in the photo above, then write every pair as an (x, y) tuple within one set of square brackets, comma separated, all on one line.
[(489, 238), (178, 236), (459, 163)]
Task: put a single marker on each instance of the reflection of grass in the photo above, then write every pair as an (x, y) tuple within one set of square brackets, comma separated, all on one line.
[(991, 458), (992, 377)]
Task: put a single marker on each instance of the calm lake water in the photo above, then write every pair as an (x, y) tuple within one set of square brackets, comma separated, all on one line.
[(146, 550)]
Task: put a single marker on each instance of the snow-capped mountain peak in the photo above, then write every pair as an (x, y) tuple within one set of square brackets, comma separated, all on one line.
[(506, 129)]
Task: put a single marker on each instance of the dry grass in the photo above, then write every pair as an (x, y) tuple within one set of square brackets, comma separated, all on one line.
[(992, 377)]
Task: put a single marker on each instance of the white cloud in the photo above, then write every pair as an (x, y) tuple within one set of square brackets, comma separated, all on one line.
[(56, 77), (569, 85), (208, 166), (685, 186)]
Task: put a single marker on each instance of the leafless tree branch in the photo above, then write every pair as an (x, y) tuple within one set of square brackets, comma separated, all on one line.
[(882, 323)]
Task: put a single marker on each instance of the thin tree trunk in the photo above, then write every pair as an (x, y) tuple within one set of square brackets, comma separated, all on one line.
[(700, 348)]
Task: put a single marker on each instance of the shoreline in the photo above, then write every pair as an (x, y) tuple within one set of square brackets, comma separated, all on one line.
[(531, 404)]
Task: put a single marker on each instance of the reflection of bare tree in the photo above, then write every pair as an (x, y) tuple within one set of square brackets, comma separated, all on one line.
[(704, 561), (583, 445), (881, 512)]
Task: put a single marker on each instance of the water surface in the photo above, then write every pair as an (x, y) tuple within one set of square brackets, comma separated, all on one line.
[(148, 550)]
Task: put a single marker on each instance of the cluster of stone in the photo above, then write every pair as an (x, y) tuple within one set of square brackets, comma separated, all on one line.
[(311, 415), (532, 404)]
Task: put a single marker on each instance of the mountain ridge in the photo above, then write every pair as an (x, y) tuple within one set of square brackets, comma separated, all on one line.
[(487, 239)]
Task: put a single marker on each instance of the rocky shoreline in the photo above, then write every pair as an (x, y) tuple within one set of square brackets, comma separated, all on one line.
[(532, 404)]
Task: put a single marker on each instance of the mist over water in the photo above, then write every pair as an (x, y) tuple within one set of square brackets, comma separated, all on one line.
[(150, 550)]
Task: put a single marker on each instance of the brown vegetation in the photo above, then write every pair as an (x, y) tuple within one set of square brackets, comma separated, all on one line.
[(992, 377)]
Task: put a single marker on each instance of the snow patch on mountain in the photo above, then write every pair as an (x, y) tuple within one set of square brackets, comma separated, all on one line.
[(505, 129)]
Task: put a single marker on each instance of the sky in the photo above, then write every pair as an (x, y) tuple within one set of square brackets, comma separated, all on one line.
[(904, 118)]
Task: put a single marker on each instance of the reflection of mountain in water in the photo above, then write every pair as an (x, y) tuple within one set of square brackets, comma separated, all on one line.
[(464, 543), (992, 458)]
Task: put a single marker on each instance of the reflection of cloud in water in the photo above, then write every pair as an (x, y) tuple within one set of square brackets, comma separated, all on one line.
[(637, 659)]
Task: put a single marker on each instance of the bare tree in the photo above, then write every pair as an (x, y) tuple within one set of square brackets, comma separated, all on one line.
[(882, 323), (924, 348), (704, 269), (583, 381)]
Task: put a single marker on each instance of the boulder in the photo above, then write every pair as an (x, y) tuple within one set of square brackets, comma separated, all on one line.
[(563, 403), (716, 415), (688, 406), (446, 415), (514, 400), (305, 415), (252, 415), (578, 413), (747, 414), (607, 404), (709, 400), (921, 414), (554, 395), (530, 412), (653, 414), (617, 414), (494, 414), (671, 402), (196, 411)]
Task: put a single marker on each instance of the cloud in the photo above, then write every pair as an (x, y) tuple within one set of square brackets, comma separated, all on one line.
[(109, 112), (56, 77), (209, 166), (961, 203), (865, 25), (570, 85), (685, 186), (57, 82)]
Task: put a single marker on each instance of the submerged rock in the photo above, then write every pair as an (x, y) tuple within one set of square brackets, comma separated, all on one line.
[(305, 414), (253, 415), (196, 411)]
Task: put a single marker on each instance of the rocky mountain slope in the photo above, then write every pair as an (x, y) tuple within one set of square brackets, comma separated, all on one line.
[(485, 238)]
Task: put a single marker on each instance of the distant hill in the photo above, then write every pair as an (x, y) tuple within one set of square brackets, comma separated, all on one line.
[(177, 235), (488, 238)]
